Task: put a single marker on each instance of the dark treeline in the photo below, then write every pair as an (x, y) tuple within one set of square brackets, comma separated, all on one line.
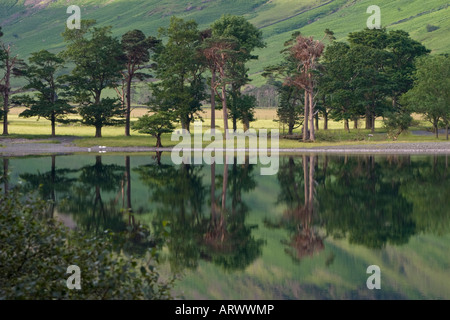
[(376, 73)]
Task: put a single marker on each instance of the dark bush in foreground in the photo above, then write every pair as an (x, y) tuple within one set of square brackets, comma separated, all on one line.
[(35, 253)]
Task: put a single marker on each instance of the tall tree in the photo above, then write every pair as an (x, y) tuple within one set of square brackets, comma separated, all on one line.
[(372, 61), (98, 59), (137, 48), (337, 83), (218, 51), (42, 76), (11, 66), (404, 52), (247, 38), (306, 51), (289, 111), (431, 92), (181, 88), (205, 34)]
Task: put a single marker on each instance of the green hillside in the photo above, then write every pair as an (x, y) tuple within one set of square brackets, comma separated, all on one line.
[(34, 24)]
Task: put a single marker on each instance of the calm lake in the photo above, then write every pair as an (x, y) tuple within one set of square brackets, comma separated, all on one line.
[(309, 232)]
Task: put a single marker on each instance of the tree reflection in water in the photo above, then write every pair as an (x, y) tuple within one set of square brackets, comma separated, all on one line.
[(298, 190), (371, 201), (179, 195), (48, 183), (228, 240)]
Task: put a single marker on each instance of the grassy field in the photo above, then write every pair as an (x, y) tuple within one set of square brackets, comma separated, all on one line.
[(32, 128)]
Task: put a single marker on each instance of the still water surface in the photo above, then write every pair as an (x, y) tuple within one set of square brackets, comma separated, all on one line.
[(309, 232)]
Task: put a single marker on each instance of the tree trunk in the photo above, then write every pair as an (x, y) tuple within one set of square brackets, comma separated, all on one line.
[(325, 119), (53, 120), (246, 124), (234, 92), (373, 122), (306, 118), (346, 125), (317, 121), (355, 124), (6, 94), (213, 101), (225, 111), (436, 129), (158, 141), (312, 136), (5, 115), (128, 107), (188, 124), (290, 128), (368, 119), (98, 132)]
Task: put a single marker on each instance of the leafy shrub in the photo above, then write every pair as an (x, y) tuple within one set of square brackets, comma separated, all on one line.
[(396, 123), (35, 253), (326, 136)]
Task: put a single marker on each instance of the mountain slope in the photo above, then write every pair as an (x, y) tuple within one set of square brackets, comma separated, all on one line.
[(33, 25)]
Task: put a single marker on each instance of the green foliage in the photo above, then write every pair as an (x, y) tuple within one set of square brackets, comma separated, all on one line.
[(136, 47), (98, 59), (155, 125), (358, 79), (431, 92), (277, 20), (290, 105), (42, 77), (396, 123), (338, 82), (35, 253), (181, 89), (105, 113), (247, 38)]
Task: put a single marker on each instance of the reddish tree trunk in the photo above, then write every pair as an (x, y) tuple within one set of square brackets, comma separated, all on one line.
[(213, 101), (225, 111), (312, 136), (306, 118)]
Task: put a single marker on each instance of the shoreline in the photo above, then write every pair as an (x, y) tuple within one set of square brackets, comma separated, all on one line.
[(18, 147)]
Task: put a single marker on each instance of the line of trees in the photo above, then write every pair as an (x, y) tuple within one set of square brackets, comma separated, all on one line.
[(183, 65), (377, 73)]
